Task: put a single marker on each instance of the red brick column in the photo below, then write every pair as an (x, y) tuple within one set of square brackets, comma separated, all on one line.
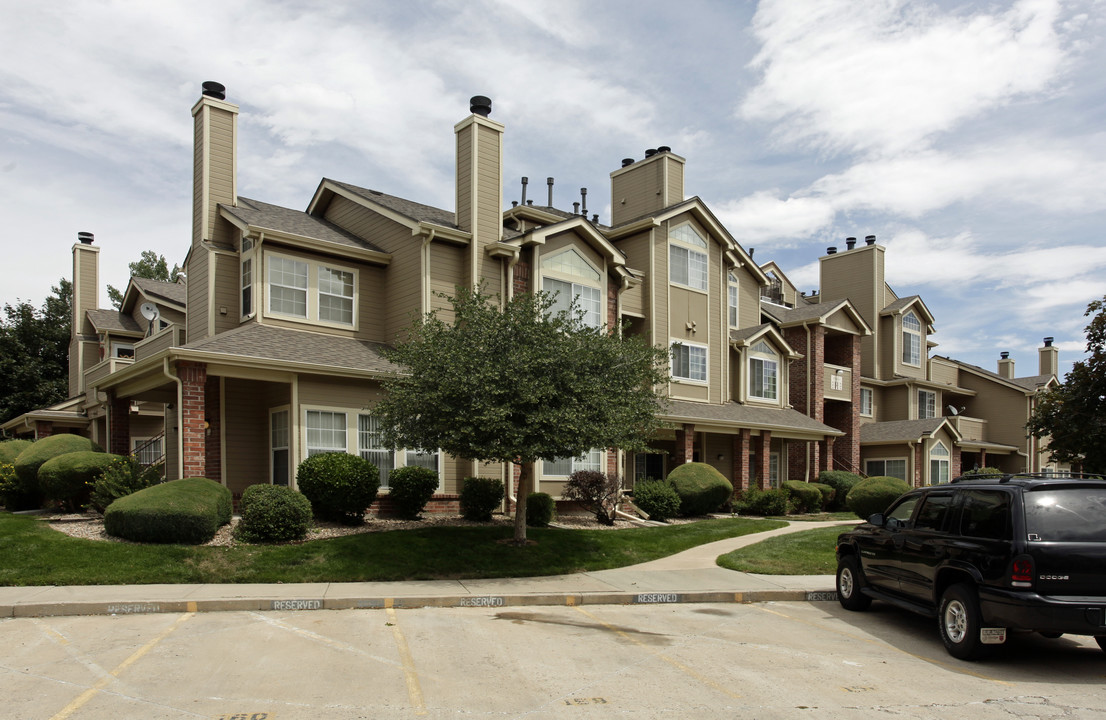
[(685, 444), (43, 428), (193, 378), (955, 462), (764, 448), (213, 455), (827, 454), (119, 434), (919, 463), (521, 277), (741, 443), (982, 457)]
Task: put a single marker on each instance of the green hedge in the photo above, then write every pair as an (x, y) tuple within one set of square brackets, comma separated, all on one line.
[(874, 495), (828, 494), (764, 503), (340, 486), (702, 489), (187, 511), (10, 450), (480, 496), (273, 513), (410, 488), (540, 509), (658, 499), (123, 477), (842, 482), (69, 478), (805, 497), (28, 492)]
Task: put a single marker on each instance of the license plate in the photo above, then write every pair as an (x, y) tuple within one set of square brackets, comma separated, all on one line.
[(992, 636)]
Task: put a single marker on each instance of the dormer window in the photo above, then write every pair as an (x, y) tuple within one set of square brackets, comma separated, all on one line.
[(575, 278), (687, 260), (911, 339), (763, 372), (310, 290)]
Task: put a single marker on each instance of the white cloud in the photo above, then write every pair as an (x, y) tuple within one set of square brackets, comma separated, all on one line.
[(765, 216)]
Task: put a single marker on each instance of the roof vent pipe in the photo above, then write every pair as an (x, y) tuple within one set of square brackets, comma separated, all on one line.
[(215, 90), (664, 148), (869, 239), (627, 162), (549, 182), (650, 152), (525, 180), (595, 218), (1048, 341), (831, 251), (480, 105), (87, 237), (1004, 355), (529, 203), (751, 251), (514, 203), (850, 243), (584, 202), (576, 208)]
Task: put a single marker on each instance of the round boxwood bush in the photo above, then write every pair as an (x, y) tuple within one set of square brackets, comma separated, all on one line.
[(187, 511), (10, 450), (842, 482), (411, 488), (28, 492), (339, 486), (764, 503), (540, 509), (828, 494), (121, 478), (803, 496), (273, 513), (658, 499), (874, 495), (69, 478), (702, 489), (480, 496)]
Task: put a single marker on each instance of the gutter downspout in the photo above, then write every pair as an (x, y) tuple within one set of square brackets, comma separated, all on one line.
[(180, 410), (809, 390), (425, 252), (510, 279)]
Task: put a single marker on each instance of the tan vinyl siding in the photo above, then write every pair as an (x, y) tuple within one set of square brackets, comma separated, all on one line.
[(636, 192), (943, 372), (890, 347), (221, 180), (89, 288), (447, 273), (715, 311), (675, 187), (718, 444), (464, 180), (227, 283), (1003, 408), (896, 404), (198, 301), (858, 275), (371, 303), (337, 393), (748, 298), (634, 300), (198, 155), (246, 418)]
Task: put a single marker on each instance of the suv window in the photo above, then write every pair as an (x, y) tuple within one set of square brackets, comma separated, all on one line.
[(934, 511), (1066, 514), (986, 514), (899, 515)]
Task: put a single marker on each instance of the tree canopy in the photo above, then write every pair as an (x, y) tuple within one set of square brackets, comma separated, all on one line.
[(517, 383), (34, 353), (1072, 416), (151, 266)]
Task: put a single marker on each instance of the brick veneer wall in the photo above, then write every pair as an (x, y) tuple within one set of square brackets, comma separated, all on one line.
[(193, 378), (742, 442), (685, 444), (213, 441), (521, 282), (120, 431), (764, 459), (43, 429)]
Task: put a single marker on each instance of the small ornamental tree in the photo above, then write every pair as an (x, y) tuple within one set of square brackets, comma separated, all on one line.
[(516, 382), (597, 492)]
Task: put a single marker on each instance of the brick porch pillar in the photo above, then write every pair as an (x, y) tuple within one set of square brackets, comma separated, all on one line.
[(764, 448), (685, 444), (827, 454), (741, 443), (193, 378), (982, 457), (955, 462), (119, 434), (43, 429)]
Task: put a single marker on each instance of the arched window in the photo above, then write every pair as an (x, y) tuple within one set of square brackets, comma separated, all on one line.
[(911, 339), (687, 260), (938, 463), (568, 275), (763, 372)]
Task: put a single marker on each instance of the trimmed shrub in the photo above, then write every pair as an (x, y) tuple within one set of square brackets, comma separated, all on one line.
[(10, 450), (273, 513), (8, 481), (540, 509), (339, 486), (764, 503), (69, 478), (828, 494), (657, 498), (480, 496), (702, 489), (983, 472), (597, 492), (874, 495), (119, 479), (187, 511), (411, 488), (804, 497), (28, 493), (840, 481)]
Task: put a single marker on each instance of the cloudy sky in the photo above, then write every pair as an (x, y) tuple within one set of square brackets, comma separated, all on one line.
[(969, 137)]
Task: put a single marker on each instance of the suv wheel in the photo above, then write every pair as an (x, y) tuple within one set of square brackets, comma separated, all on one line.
[(959, 621), (849, 583)]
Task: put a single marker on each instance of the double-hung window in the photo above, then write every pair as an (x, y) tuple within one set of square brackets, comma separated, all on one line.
[(335, 295), (370, 444), (306, 290), (247, 277), (577, 280), (326, 432), (927, 404), (563, 467), (866, 401), (890, 468), (687, 261), (763, 372), (689, 362), (911, 339), (287, 286), (733, 292)]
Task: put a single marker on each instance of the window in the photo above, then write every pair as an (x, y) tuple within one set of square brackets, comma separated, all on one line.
[(278, 444), (927, 404), (147, 451), (247, 287), (911, 339), (370, 444), (763, 371), (773, 469), (648, 466), (287, 287), (733, 292), (587, 299), (689, 362), (122, 350), (933, 513), (335, 296), (593, 460), (866, 401), (985, 514), (326, 432), (890, 468), (903, 511), (417, 458), (837, 381), (938, 464), (685, 265)]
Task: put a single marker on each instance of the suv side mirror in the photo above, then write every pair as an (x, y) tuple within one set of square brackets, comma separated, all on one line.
[(877, 519)]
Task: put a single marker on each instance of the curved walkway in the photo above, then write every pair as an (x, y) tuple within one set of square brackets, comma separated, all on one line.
[(689, 576)]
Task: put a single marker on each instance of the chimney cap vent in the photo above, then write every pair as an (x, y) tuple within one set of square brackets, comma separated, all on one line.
[(480, 105), (869, 239), (85, 238), (1004, 355), (1048, 341), (215, 90), (626, 162), (663, 148), (650, 152), (831, 251)]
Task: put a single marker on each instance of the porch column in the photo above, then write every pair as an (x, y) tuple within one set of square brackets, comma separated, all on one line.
[(955, 462), (982, 457), (43, 428), (764, 460), (741, 443), (685, 444), (193, 378), (827, 454), (119, 432)]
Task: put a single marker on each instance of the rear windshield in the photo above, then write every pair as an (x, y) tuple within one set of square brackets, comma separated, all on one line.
[(1066, 514)]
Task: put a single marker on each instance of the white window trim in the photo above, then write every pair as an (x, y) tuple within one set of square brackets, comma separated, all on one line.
[(272, 448), (674, 242), (913, 333), (706, 362), (249, 255), (139, 441), (905, 464), (733, 304), (922, 406), (116, 346), (602, 464), (871, 402), (313, 267), (575, 290), (764, 357), (945, 460)]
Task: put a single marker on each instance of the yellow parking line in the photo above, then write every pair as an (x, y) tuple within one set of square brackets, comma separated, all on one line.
[(414, 691), (104, 681), (674, 663)]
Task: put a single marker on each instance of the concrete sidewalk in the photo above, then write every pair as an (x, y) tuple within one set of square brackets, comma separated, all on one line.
[(690, 576)]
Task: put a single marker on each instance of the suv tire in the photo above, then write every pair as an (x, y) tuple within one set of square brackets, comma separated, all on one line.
[(849, 584), (958, 621)]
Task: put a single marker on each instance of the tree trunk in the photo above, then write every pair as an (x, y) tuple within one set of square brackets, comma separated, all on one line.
[(522, 491)]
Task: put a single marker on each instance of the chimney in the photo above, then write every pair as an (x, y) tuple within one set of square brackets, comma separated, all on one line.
[(850, 243), (1049, 356), (480, 186), (646, 186), (84, 346), (1006, 366), (214, 168)]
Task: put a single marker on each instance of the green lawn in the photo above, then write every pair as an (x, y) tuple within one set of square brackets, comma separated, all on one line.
[(34, 554), (810, 552)]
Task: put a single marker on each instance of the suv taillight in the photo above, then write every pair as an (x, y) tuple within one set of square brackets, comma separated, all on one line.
[(1021, 572)]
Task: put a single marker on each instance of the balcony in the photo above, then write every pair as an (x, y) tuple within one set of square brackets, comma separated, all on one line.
[(970, 429), (96, 373), (837, 382), (172, 336)]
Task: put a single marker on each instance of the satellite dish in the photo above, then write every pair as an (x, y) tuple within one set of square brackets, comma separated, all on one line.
[(151, 313), (953, 411)]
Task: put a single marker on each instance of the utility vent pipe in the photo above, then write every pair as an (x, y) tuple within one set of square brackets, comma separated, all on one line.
[(215, 90), (525, 180), (549, 182), (87, 237), (480, 105)]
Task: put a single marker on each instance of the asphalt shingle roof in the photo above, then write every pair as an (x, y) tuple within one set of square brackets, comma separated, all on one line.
[(407, 208), (898, 430), (748, 416), (799, 314), (113, 320), (176, 293), (294, 222)]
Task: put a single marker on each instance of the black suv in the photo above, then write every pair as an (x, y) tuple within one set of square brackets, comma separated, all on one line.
[(985, 555)]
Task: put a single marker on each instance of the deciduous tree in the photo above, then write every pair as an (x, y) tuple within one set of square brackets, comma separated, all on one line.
[(151, 266), (34, 353)]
